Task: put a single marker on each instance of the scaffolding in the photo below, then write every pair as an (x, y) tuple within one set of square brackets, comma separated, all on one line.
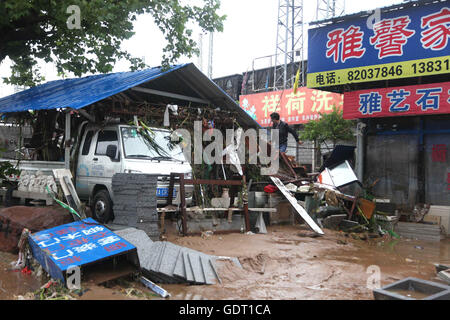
[(327, 9), (289, 43)]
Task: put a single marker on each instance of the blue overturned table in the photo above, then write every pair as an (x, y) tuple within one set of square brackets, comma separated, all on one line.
[(84, 244)]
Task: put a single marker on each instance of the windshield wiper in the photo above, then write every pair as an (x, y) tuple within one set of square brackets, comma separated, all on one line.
[(165, 158), (139, 156)]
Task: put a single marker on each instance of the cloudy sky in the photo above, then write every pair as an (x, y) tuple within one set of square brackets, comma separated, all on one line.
[(249, 33)]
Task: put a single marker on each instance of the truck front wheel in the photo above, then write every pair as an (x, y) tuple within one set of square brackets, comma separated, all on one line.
[(102, 207)]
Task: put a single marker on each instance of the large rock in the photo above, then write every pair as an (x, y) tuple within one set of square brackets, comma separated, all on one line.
[(14, 219)]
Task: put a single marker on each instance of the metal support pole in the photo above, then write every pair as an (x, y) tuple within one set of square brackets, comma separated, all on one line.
[(245, 207), (67, 142), (286, 47), (360, 150), (313, 164), (183, 204)]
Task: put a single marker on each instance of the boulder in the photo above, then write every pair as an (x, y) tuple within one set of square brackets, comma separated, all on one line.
[(14, 219)]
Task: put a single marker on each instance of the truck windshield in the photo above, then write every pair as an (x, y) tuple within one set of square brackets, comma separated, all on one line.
[(157, 147)]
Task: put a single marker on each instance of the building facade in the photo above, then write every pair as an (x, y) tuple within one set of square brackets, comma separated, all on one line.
[(392, 65)]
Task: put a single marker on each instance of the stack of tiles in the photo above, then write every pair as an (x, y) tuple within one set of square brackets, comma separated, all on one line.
[(135, 203), (168, 263), (420, 231)]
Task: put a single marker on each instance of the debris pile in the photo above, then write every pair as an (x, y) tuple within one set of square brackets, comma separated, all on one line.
[(335, 199)]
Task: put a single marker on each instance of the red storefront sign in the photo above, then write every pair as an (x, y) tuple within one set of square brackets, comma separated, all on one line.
[(294, 108), (398, 101)]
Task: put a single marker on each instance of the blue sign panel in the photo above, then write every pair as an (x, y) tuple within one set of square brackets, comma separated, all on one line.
[(75, 244), (408, 42)]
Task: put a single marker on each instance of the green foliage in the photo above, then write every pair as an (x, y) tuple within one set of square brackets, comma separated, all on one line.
[(330, 127), (37, 29), (6, 170)]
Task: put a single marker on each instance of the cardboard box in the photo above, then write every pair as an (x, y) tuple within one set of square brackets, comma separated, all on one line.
[(283, 215), (432, 219)]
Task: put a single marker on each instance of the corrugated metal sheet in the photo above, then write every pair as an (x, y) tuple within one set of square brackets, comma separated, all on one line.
[(77, 93)]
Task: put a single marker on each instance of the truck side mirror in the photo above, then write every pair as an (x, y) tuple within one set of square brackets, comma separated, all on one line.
[(111, 151)]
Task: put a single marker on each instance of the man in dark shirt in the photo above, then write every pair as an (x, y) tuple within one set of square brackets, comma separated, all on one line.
[(284, 129)]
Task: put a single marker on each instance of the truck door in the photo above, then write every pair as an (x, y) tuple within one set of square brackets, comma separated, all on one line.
[(84, 166), (105, 158)]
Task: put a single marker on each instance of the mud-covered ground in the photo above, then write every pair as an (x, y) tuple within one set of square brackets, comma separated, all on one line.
[(286, 263)]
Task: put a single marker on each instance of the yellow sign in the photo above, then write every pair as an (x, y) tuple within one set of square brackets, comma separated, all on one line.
[(404, 69)]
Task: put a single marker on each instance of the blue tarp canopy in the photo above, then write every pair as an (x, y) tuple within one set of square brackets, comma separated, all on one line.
[(77, 93), (183, 80)]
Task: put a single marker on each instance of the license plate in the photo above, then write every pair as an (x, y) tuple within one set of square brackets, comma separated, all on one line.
[(164, 192)]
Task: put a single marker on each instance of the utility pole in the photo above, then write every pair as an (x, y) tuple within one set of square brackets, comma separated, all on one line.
[(210, 55), (200, 56)]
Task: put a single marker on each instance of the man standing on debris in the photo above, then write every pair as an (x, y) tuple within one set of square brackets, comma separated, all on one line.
[(284, 129)]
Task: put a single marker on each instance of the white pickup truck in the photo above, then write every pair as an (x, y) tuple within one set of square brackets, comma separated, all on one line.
[(114, 149)]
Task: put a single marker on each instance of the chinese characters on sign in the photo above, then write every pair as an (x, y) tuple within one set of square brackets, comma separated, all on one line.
[(343, 45), (294, 108), (437, 30), (403, 43), (390, 36), (389, 102), (79, 243), (439, 153)]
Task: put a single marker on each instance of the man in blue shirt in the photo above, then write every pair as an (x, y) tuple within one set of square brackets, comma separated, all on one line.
[(284, 129)]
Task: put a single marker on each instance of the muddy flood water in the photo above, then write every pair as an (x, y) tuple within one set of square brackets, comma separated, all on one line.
[(286, 263)]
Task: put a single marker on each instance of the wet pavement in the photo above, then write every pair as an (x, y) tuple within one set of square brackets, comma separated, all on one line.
[(286, 263)]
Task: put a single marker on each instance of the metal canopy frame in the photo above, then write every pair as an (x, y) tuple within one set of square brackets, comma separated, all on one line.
[(169, 94)]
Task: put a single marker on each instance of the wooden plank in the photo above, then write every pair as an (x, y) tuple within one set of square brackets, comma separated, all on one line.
[(64, 176), (302, 212)]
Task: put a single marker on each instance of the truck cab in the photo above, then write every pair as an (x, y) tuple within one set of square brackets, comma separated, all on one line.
[(121, 148)]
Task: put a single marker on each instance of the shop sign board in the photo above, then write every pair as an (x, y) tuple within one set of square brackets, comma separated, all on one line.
[(294, 108), (79, 243), (408, 42), (398, 101)]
